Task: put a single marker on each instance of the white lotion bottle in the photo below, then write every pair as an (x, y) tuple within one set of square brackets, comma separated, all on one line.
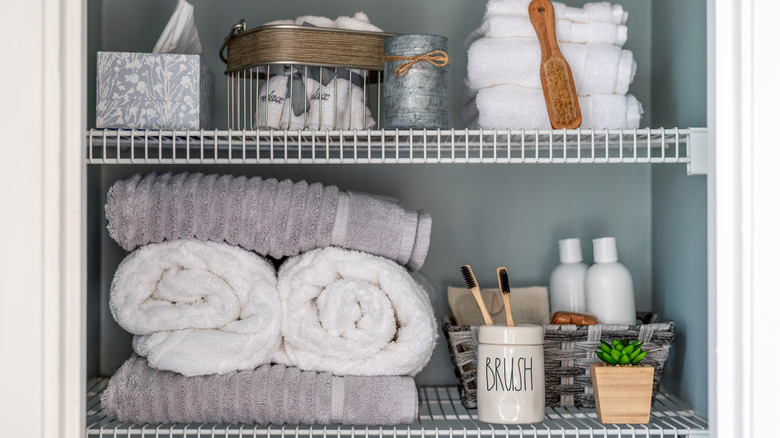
[(567, 280), (609, 290)]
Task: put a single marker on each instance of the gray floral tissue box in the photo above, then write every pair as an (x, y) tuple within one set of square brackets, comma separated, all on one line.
[(153, 91)]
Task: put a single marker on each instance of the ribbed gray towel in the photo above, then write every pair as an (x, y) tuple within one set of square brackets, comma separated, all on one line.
[(270, 217), (270, 394)]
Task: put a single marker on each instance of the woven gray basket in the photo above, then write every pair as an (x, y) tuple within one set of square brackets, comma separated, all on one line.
[(568, 352)]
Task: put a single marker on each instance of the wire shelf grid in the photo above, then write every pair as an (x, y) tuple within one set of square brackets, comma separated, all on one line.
[(441, 415), (670, 145)]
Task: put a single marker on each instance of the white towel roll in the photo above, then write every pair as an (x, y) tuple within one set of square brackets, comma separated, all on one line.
[(597, 68), (198, 307), (519, 26), (339, 104), (272, 102), (348, 116), (513, 107), (352, 313), (590, 12)]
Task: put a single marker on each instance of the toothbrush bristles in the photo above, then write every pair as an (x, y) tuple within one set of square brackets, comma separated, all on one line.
[(468, 276), (503, 280)]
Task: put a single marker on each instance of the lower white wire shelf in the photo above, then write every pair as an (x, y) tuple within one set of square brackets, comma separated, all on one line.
[(662, 145), (441, 415)]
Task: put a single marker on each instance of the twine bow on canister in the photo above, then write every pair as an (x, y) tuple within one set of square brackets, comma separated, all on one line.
[(438, 58)]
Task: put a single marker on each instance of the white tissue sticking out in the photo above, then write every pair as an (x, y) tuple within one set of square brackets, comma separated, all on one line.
[(180, 34)]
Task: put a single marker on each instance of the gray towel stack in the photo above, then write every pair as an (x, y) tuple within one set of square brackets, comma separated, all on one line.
[(270, 217), (270, 394)]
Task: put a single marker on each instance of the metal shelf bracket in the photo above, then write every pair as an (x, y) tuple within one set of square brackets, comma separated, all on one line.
[(698, 149)]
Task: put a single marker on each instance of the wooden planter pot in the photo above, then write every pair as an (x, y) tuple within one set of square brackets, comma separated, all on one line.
[(623, 393)]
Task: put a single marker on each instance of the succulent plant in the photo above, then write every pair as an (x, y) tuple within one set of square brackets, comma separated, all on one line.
[(621, 354)]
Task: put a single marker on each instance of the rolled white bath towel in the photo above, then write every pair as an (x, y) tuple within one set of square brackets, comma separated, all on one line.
[(519, 26), (351, 313), (599, 12), (597, 68), (198, 307), (513, 107)]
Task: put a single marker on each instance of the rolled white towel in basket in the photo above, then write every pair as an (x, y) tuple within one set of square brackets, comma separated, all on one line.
[(519, 26), (198, 307), (273, 102), (334, 104), (597, 68), (338, 97), (351, 313), (604, 12), (513, 107)]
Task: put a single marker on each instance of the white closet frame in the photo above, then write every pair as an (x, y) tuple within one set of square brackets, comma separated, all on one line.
[(42, 254), (743, 216), (42, 262)]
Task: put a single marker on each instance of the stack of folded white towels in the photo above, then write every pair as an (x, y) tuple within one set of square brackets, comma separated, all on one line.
[(503, 86), (221, 336)]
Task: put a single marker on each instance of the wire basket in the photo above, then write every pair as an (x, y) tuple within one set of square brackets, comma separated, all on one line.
[(303, 77), (568, 353)]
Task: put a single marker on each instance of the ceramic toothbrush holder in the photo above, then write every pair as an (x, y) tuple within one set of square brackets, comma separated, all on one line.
[(510, 375)]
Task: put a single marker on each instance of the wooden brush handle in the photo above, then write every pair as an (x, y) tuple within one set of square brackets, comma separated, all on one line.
[(543, 19), (481, 304), (509, 320)]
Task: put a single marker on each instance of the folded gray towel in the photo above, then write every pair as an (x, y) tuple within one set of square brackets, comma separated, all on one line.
[(270, 217), (270, 394)]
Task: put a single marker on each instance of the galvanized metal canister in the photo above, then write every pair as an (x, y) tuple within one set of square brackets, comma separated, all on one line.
[(417, 98)]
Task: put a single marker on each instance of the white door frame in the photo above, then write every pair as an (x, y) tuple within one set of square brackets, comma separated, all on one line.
[(42, 263), (744, 212)]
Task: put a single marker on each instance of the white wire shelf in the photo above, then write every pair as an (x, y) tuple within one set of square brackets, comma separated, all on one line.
[(670, 145), (441, 415)]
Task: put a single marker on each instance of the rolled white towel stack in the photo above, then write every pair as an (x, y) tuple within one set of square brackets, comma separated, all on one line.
[(199, 308), (331, 104), (335, 336), (504, 89)]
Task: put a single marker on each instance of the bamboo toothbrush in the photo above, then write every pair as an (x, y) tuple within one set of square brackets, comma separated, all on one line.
[(503, 284), (471, 283), (563, 107)]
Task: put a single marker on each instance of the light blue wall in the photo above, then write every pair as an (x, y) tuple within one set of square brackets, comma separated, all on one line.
[(679, 79), (680, 277)]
